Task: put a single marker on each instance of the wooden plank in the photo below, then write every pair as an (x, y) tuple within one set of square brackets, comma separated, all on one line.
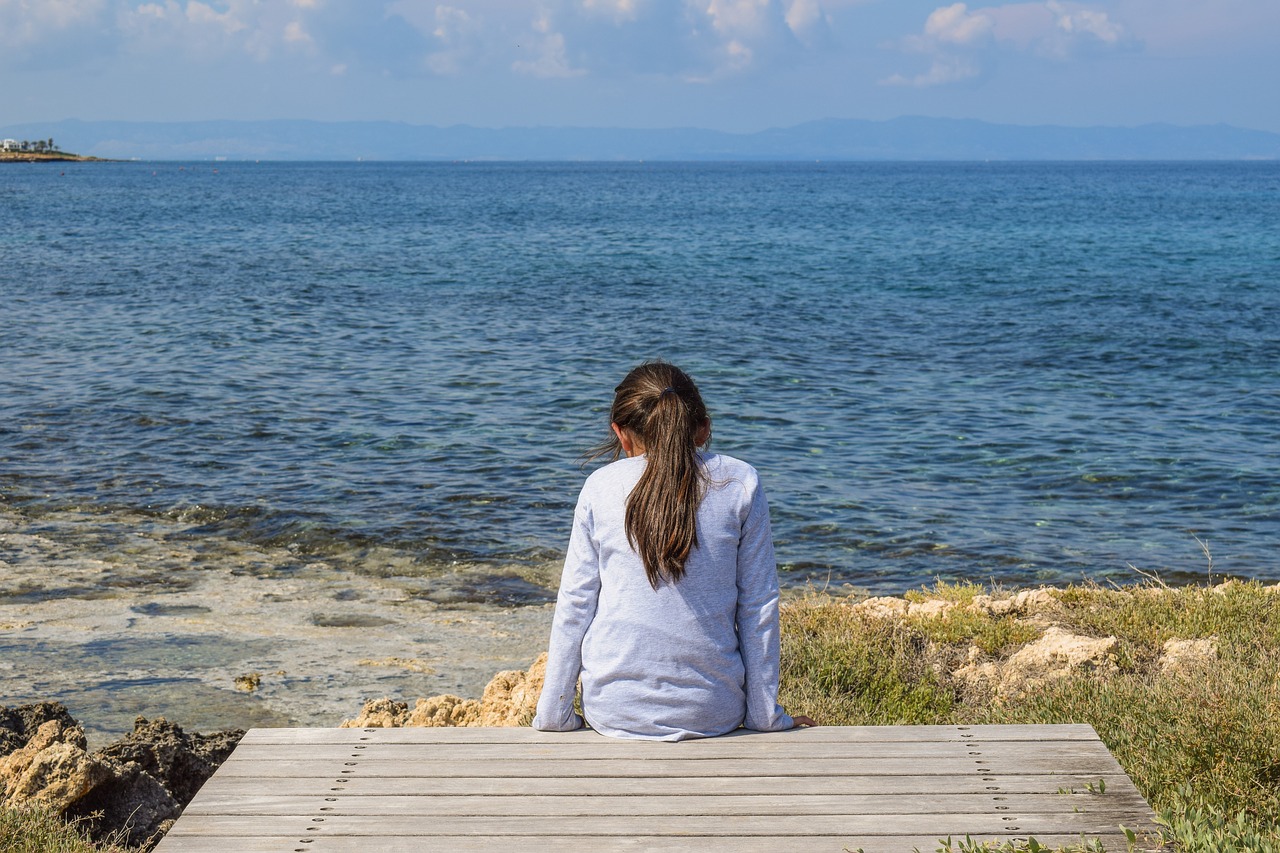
[(645, 751), (882, 789), (708, 768), (820, 734), (798, 826), (560, 844), (477, 786), (535, 804)]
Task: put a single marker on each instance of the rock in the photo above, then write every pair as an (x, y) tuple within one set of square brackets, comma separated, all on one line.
[(1183, 655), (130, 800), (181, 762), (124, 788), (510, 699), (19, 725), (446, 710), (433, 712), (384, 713), (886, 607), (1056, 654), (1026, 602), (930, 609), (52, 769), (249, 682)]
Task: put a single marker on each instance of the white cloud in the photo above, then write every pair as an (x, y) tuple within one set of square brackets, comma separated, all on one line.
[(202, 14), (546, 49), (619, 10), (738, 16), (1088, 21), (672, 39), (803, 15), (955, 24), (295, 33), (945, 69), (30, 22), (956, 37), (458, 36)]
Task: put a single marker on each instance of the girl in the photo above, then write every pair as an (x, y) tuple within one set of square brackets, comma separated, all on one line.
[(668, 605)]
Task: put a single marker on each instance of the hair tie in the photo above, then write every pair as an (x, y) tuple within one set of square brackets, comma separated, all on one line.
[(667, 390)]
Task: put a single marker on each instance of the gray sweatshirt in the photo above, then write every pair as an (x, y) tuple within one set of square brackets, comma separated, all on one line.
[(696, 658)]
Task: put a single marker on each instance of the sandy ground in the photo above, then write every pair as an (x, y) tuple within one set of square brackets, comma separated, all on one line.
[(118, 616)]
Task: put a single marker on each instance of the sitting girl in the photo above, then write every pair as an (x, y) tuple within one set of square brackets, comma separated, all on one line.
[(668, 606)]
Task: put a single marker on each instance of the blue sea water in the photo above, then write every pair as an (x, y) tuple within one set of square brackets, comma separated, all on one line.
[(1011, 372)]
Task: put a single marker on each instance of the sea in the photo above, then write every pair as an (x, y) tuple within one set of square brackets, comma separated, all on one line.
[(1008, 373)]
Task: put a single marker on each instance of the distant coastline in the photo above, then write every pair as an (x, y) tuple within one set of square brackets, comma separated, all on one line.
[(50, 157), (907, 138)]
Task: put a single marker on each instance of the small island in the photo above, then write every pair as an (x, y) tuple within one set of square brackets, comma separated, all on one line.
[(24, 151)]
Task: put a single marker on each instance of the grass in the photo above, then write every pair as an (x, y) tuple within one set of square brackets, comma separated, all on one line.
[(1202, 745), (37, 830)]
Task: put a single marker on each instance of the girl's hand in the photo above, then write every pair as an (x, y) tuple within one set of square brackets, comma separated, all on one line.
[(801, 720)]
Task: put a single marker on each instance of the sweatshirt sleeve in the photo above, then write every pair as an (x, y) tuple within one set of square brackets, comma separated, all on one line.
[(575, 608), (758, 630)]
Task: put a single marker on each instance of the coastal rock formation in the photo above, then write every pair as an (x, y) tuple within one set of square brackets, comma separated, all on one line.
[(52, 768), (137, 785), (510, 699), (1186, 655), (181, 762), (1027, 602), (19, 725), (1055, 654), (931, 608), (886, 607)]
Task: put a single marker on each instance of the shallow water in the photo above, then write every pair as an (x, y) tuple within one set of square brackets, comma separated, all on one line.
[(322, 406), (124, 616)]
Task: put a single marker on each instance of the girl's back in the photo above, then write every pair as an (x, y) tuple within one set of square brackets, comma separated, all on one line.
[(668, 663), (668, 605)]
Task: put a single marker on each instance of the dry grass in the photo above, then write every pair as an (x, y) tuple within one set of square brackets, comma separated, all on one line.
[(1203, 745)]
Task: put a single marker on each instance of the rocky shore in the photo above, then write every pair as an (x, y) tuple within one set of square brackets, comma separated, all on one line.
[(1132, 663), (133, 789), (38, 157)]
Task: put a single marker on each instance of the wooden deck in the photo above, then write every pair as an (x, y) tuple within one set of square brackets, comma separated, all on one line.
[(885, 789)]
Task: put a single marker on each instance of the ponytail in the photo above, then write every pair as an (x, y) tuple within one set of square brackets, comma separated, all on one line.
[(659, 404)]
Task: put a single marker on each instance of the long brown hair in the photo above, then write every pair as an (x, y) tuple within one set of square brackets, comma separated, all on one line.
[(659, 404)]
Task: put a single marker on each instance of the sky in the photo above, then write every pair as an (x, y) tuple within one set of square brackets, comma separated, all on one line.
[(735, 65)]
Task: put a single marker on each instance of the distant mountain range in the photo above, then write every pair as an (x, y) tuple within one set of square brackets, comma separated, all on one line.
[(910, 138)]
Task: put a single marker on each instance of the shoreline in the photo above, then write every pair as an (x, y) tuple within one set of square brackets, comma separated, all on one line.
[(57, 157), (1139, 664), (128, 616)]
